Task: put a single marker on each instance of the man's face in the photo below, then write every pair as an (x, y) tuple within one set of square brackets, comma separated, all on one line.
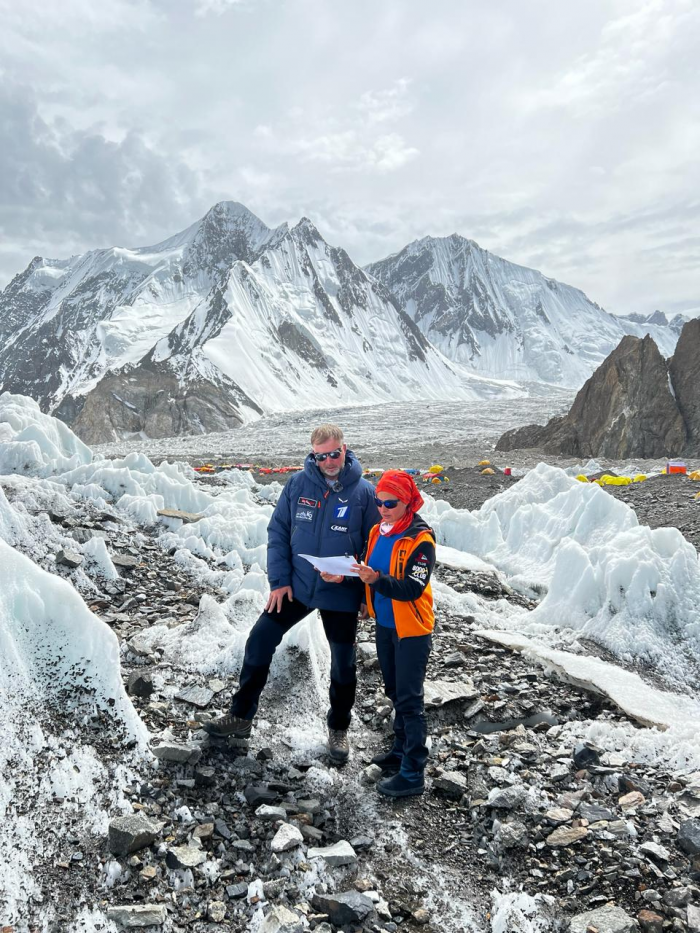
[(330, 468)]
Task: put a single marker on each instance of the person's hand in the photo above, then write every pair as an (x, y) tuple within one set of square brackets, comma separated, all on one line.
[(363, 611), (365, 573), (331, 577), (276, 597)]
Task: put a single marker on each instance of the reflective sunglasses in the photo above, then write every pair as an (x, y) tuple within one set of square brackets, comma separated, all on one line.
[(334, 455), (386, 503)]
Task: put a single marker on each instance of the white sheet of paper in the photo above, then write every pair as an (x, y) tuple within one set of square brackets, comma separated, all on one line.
[(332, 564)]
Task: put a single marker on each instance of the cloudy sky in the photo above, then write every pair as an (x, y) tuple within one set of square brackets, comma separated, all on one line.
[(561, 135)]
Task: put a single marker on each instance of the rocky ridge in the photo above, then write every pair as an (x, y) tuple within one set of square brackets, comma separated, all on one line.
[(634, 405)]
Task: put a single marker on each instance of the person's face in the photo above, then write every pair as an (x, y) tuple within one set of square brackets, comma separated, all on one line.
[(328, 466), (393, 514)]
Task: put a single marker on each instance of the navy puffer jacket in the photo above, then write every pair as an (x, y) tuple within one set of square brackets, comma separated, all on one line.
[(312, 519)]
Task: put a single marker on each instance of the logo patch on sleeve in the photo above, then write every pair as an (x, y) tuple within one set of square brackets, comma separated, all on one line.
[(309, 503)]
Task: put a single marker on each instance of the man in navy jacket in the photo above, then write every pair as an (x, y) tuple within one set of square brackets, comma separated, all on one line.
[(326, 510)]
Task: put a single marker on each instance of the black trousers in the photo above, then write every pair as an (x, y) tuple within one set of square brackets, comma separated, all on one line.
[(403, 662), (265, 636)]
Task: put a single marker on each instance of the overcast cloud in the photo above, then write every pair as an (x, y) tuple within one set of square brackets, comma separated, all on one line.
[(563, 136)]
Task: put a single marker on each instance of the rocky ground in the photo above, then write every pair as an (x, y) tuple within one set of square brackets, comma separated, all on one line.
[(512, 798)]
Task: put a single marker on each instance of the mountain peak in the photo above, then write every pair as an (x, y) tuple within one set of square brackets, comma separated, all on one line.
[(232, 210), (454, 242), (308, 232), (229, 231)]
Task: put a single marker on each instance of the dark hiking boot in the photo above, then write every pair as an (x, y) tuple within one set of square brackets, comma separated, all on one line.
[(338, 745), (400, 786), (229, 726), (389, 762)]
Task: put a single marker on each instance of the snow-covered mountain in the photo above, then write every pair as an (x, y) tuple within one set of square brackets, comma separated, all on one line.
[(658, 317), (504, 320), (210, 328)]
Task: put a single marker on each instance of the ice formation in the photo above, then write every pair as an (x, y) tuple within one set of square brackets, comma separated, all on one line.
[(601, 574)]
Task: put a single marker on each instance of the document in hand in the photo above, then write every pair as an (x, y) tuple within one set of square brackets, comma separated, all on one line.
[(332, 564)]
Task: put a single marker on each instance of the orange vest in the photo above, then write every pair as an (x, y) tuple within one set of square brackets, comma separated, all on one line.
[(414, 617)]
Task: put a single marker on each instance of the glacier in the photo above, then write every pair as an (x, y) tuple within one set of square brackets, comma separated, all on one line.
[(635, 593)]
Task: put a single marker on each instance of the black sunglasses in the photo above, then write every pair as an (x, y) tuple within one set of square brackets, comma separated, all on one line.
[(386, 503), (334, 455)]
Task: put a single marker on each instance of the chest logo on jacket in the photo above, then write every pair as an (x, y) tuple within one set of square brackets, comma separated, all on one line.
[(309, 503), (341, 511), (305, 515)]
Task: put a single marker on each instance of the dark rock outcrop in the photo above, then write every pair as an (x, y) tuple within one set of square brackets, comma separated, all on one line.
[(684, 369), (626, 409), (149, 398)]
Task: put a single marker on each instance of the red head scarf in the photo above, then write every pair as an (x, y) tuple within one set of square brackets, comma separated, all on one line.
[(404, 488)]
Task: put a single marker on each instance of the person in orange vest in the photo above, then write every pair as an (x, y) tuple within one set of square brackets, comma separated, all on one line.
[(396, 570)]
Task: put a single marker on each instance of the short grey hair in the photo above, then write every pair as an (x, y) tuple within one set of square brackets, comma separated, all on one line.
[(326, 432)]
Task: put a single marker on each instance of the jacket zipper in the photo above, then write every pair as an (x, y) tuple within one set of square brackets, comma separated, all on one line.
[(319, 535)]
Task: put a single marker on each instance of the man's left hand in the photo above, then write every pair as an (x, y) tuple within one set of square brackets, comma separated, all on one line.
[(331, 577)]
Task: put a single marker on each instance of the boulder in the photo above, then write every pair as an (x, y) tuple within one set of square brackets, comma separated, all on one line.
[(506, 798), (185, 857), (511, 835), (439, 692), (140, 684), (348, 908), (177, 752), (266, 812), (68, 558), (287, 837), (342, 853), (197, 696), (451, 783), (216, 911), (608, 919), (689, 836), (132, 917), (282, 920), (650, 922), (130, 833), (125, 561), (566, 836), (585, 754), (256, 794), (693, 915)]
